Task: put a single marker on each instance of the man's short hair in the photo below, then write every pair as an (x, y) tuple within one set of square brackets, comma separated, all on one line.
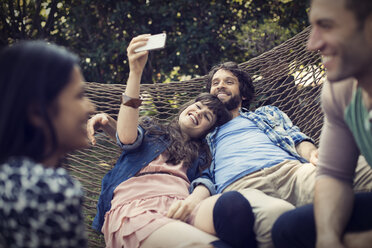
[(361, 8), (245, 81)]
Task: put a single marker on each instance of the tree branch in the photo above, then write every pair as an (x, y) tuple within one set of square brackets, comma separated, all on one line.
[(6, 26), (36, 24), (50, 19), (20, 19), (13, 21)]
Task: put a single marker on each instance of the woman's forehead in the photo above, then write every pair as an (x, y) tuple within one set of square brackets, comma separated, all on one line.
[(208, 104)]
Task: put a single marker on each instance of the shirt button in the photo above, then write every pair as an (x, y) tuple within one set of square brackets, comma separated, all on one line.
[(277, 144)]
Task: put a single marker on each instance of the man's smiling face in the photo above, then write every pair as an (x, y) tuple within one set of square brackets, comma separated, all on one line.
[(225, 85), (340, 38)]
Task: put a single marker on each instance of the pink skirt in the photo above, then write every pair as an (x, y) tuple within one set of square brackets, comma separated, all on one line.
[(140, 206)]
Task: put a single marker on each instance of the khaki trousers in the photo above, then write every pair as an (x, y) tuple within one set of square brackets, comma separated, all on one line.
[(280, 188)]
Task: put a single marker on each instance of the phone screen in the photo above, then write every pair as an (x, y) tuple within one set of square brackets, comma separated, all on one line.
[(156, 41)]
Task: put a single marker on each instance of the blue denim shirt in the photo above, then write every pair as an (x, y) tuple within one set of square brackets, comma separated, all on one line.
[(133, 158), (275, 124)]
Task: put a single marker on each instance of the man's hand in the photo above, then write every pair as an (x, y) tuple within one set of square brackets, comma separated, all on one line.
[(314, 157), (181, 209), (308, 151), (103, 122)]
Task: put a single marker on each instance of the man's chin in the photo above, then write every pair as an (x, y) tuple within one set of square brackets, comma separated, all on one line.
[(223, 99), (340, 73), (334, 77), (232, 103)]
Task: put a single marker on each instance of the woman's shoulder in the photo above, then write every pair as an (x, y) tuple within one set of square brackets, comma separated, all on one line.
[(23, 177), (47, 198)]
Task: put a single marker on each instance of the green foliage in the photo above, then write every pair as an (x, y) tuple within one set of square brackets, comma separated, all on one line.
[(272, 22), (257, 38), (200, 33)]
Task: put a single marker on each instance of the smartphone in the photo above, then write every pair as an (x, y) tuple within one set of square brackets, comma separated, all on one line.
[(156, 41)]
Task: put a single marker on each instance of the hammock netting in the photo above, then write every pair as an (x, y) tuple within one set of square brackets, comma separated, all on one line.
[(288, 76)]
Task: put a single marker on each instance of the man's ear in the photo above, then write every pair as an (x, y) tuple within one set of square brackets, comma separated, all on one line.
[(368, 29)]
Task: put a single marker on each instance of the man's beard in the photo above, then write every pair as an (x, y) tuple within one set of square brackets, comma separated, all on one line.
[(233, 103)]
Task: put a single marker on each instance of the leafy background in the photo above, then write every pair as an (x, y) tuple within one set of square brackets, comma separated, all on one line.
[(200, 33)]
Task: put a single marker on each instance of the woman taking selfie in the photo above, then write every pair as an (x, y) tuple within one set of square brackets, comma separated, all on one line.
[(43, 116), (155, 168)]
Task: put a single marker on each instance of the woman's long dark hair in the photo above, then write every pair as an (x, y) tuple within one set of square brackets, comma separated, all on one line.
[(181, 148), (32, 74)]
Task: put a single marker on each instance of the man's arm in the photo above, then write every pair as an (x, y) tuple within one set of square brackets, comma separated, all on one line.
[(182, 209), (304, 145), (332, 206), (338, 155), (283, 125), (308, 151)]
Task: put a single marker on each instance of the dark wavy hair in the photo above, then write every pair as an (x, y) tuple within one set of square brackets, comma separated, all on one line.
[(246, 87), (180, 148), (32, 74)]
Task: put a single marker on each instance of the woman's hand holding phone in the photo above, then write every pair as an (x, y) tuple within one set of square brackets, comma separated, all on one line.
[(137, 60), (154, 42)]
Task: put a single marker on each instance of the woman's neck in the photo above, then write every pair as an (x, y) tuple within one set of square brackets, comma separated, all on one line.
[(51, 161)]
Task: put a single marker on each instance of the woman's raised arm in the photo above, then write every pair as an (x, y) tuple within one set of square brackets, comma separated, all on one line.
[(128, 115)]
